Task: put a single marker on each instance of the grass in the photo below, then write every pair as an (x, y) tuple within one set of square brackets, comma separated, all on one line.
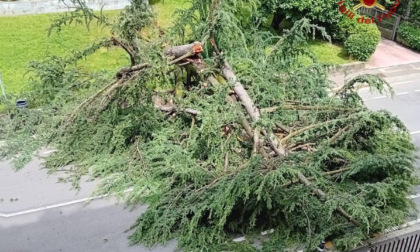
[(166, 9), (329, 53), (24, 39)]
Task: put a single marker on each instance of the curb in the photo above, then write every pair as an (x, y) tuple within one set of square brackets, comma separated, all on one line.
[(347, 68), (399, 65)]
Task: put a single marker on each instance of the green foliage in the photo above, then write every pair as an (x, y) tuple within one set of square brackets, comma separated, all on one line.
[(410, 35), (348, 27), (132, 19), (198, 174), (415, 10), (326, 14), (336, 54), (360, 46), (360, 39), (317, 11), (17, 51)]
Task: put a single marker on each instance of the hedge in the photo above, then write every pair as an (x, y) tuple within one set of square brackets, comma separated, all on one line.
[(360, 40), (410, 34)]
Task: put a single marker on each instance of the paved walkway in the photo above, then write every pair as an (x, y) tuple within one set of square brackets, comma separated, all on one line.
[(389, 60), (51, 6), (389, 53)]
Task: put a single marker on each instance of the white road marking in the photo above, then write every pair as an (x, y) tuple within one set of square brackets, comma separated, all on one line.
[(267, 232), (392, 84), (241, 239), (415, 196), (49, 152), (402, 93), (376, 98), (402, 82), (379, 97), (69, 203), (415, 132), (418, 90), (50, 207)]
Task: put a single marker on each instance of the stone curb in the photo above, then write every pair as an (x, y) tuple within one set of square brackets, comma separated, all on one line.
[(347, 68)]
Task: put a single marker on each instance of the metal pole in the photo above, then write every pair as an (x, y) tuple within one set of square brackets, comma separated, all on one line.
[(2, 88), (395, 28)]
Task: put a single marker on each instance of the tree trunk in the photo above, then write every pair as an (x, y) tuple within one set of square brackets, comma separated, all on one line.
[(278, 17)]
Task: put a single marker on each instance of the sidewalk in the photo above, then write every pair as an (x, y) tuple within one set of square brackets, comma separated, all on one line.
[(389, 53), (391, 61), (52, 6)]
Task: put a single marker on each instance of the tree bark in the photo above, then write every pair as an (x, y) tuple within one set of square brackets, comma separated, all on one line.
[(240, 91), (179, 51)]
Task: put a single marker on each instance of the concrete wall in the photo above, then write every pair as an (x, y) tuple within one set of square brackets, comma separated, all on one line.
[(51, 6)]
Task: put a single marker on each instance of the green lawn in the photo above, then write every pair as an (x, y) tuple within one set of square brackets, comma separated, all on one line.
[(329, 53), (25, 38)]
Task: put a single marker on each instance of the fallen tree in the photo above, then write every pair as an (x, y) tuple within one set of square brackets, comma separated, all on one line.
[(229, 135)]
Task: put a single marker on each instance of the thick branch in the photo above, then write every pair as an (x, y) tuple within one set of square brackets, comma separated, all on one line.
[(127, 49), (247, 102), (179, 51), (240, 91), (126, 70)]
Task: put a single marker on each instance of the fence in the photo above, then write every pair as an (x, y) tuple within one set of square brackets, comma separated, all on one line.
[(405, 243), (388, 26)]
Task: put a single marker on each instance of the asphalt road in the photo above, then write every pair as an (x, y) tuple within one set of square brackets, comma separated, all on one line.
[(405, 104), (38, 214)]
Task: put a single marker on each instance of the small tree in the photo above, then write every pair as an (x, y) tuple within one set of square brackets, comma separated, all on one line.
[(231, 134)]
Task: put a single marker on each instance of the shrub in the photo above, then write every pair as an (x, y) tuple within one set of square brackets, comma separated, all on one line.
[(360, 39), (345, 28), (360, 46), (410, 34), (415, 10)]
